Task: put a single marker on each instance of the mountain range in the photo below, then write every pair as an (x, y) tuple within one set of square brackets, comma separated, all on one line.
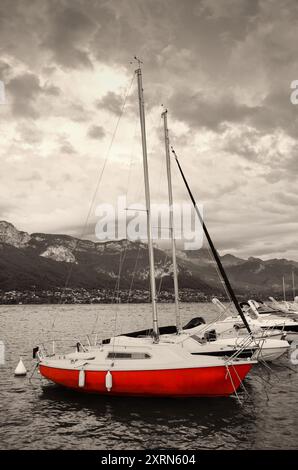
[(46, 261)]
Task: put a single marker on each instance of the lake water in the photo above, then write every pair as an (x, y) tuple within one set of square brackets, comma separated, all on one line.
[(39, 415)]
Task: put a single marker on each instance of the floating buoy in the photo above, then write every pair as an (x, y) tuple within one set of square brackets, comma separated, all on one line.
[(81, 378), (20, 370), (109, 381)]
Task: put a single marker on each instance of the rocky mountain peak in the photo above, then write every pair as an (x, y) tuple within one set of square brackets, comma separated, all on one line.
[(10, 235), (60, 254)]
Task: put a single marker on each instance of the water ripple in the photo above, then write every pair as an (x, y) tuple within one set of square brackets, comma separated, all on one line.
[(42, 416)]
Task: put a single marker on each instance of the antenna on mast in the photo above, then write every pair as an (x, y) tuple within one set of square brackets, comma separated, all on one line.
[(136, 59)]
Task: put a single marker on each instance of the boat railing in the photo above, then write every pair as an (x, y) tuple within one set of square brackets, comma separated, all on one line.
[(60, 346)]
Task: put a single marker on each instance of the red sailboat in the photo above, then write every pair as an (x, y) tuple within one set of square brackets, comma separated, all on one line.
[(144, 366)]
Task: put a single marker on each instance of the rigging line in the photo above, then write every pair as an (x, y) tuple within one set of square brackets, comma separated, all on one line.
[(121, 262), (117, 277), (117, 306), (160, 186), (131, 157), (159, 197), (215, 254), (133, 273), (106, 160), (117, 287), (140, 186), (161, 277), (233, 385), (127, 92), (127, 190), (241, 382), (219, 276)]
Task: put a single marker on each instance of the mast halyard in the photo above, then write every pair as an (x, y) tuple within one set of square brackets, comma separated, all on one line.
[(171, 220), (147, 197)]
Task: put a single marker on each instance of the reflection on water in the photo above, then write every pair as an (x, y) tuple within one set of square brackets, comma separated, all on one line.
[(151, 422), (43, 416)]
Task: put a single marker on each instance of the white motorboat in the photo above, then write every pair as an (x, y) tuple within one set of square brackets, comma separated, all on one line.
[(266, 322), (220, 340)]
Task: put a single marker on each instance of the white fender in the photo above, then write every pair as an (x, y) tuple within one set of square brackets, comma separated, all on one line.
[(81, 378), (20, 369), (109, 381)]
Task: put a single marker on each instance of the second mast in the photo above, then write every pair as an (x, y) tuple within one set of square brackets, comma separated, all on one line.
[(171, 220)]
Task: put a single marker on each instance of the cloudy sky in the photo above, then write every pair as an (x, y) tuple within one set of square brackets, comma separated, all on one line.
[(222, 67)]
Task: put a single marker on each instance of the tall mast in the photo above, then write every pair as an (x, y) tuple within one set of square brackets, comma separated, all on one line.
[(284, 288), (214, 252), (293, 283), (147, 196), (171, 219)]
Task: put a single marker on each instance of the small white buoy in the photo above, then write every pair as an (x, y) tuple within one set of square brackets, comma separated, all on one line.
[(109, 381), (81, 378), (20, 369)]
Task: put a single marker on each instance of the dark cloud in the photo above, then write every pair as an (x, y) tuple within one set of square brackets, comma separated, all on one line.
[(272, 113), (224, 67), (276, 112), (96, 132), (70, 28), (111, 102), (5, 70), (244, 144), (23, 90), (198, 110)]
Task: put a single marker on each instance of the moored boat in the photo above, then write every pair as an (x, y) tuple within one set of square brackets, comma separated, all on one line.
[(135, 367), (150, 366)]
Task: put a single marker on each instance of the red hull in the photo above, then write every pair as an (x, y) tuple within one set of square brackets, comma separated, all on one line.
[(208, 381)]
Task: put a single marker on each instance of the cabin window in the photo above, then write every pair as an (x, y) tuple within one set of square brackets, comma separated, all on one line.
[(127, 355)]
